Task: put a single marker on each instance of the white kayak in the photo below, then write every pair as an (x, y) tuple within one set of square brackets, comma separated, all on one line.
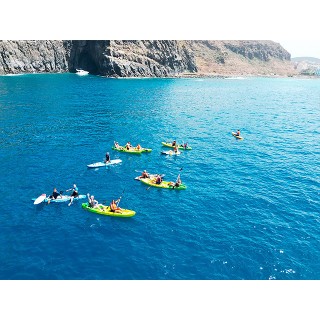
[(59, 199), (236, 136), (103, 164), (171, 153)]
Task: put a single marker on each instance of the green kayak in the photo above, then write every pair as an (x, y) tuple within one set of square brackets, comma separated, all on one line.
[(132, 150), (169, 145), (163, 184), (124, 213)]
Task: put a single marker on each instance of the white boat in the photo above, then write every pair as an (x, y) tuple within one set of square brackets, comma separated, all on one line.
[(81, 72)]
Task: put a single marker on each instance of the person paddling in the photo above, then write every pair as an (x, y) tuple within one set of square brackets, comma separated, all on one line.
[(114, 206), (158, 179), (238, 133), (92, 202), (184, 146), (177, 183), (55, 194), (175, 149), (75, 193), (174, 143), (138, 147), (144, 174), (107, 158), (128, 145)]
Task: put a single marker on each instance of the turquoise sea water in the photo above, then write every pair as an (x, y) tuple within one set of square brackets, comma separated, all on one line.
[(251, 208)]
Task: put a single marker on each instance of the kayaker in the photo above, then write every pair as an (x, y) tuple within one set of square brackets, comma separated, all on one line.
[(184, 146), (144, 174), (116, 144), (114, 206), (75, 193), (174, 143), (177, 183), (92, 202), (158, 179), (128, 145), (55, 194), (138, 147), (107, 158), (175, 149), (238, 133)]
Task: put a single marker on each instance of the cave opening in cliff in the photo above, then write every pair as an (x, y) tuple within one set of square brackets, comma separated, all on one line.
[(87, 63)]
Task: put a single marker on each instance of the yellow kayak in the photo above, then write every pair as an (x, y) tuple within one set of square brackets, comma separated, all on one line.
[(169, 145), (124, 213), (163, 184), (132, 150)]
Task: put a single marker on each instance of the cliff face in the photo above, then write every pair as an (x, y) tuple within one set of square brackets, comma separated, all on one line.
[(33, 56), (145, 58), (132, 58)]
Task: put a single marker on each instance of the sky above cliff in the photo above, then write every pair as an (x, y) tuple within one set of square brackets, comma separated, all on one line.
[(302, 48)]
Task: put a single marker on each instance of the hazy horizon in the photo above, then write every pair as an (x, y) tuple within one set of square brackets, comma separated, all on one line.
[(301, 48)]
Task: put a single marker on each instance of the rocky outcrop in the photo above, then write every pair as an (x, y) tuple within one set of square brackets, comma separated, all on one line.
[(145, 58), (33, 56), (132, 58)]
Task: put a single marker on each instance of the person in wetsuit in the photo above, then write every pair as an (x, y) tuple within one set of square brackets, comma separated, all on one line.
[(55, 194), (75, 193), (107, 158)]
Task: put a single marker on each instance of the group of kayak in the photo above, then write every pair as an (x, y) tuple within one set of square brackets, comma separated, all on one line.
[(155, 180), (92, 205), (152, 180)]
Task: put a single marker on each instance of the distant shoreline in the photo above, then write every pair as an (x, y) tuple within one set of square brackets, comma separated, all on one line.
[(183, 76)]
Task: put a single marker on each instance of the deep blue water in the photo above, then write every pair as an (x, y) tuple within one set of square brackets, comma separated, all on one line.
[(251, 209)]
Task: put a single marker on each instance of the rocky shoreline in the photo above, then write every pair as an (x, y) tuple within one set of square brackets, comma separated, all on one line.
[(147, 58)]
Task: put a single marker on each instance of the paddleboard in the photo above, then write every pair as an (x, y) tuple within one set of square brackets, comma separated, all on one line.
[(40, 199), (103, 164)]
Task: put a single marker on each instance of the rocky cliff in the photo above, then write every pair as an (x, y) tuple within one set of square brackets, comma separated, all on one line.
[(132, 58), (146, 58), (33, 56)]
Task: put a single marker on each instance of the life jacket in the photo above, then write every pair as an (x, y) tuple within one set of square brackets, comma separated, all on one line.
[(113, 206)]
